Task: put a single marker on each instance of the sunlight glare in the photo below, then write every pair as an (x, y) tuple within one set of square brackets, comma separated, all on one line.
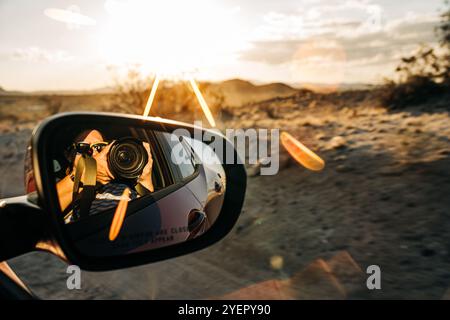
[(152, 96), (169, 37)]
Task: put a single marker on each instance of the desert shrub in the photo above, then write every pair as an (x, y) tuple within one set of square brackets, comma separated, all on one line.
[(52, 104), (174, 99), (227, 113), (6, 115), (131, 93), (424, 74), (444, 34), (415, 90)]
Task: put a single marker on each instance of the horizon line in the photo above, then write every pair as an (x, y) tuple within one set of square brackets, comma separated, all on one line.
[(298, 85)]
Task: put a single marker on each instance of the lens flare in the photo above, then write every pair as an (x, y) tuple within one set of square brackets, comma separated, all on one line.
[(301, 153), (317, 57), (69, 16), (203, 103), (151, 97), (119, 215)]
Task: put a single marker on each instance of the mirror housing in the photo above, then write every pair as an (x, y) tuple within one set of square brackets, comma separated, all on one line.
[(43, 180)]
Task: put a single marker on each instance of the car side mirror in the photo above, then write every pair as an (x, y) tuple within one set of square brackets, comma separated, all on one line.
[(126, 190)]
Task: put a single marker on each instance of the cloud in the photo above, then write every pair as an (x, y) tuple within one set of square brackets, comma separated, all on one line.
[(36, 54), (279, 41), (349, 18)]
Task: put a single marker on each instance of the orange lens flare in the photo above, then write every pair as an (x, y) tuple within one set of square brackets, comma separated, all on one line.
[(151, 96), (203, 103), (301, 153), (119, 215)]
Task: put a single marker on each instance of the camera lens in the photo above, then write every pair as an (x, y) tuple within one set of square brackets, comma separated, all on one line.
[(127, 159)]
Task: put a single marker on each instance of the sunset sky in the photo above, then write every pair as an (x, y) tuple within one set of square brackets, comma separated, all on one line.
[(75, 45)]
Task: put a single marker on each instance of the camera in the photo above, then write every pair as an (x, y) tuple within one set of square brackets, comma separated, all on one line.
[(127, 159)]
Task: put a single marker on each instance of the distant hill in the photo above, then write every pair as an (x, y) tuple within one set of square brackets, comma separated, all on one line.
[(4, 92), (237, 92), (234, 92), (105, 90), (329, 88)]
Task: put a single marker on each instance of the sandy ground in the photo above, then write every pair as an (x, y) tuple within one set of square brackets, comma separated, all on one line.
[(383, 199)]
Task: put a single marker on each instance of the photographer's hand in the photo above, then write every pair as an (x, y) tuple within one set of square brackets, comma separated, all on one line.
[(104, 175), (146, 177)]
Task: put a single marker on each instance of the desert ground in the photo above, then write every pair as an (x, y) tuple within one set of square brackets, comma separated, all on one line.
[(382, 199)]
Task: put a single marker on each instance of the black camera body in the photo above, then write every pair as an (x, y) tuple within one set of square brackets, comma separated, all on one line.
[(127, 159)]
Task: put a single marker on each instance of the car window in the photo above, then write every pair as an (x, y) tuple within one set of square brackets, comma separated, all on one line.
[(203, 153), (170, 144)]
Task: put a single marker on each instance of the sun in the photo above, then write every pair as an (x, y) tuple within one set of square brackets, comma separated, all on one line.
[(169, 37)]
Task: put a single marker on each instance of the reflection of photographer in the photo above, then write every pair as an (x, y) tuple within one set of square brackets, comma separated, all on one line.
[(99, 172)]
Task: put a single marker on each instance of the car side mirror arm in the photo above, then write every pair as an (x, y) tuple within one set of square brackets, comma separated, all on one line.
[(23, 225)]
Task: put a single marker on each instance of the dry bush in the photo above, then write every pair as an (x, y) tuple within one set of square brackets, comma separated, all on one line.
[(420, 77), (424, 74), (130, 95), (174, 99), (444, 33), (53, 104), (6, 115)]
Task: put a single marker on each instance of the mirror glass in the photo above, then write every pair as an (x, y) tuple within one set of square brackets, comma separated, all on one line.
[(127, 189)]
